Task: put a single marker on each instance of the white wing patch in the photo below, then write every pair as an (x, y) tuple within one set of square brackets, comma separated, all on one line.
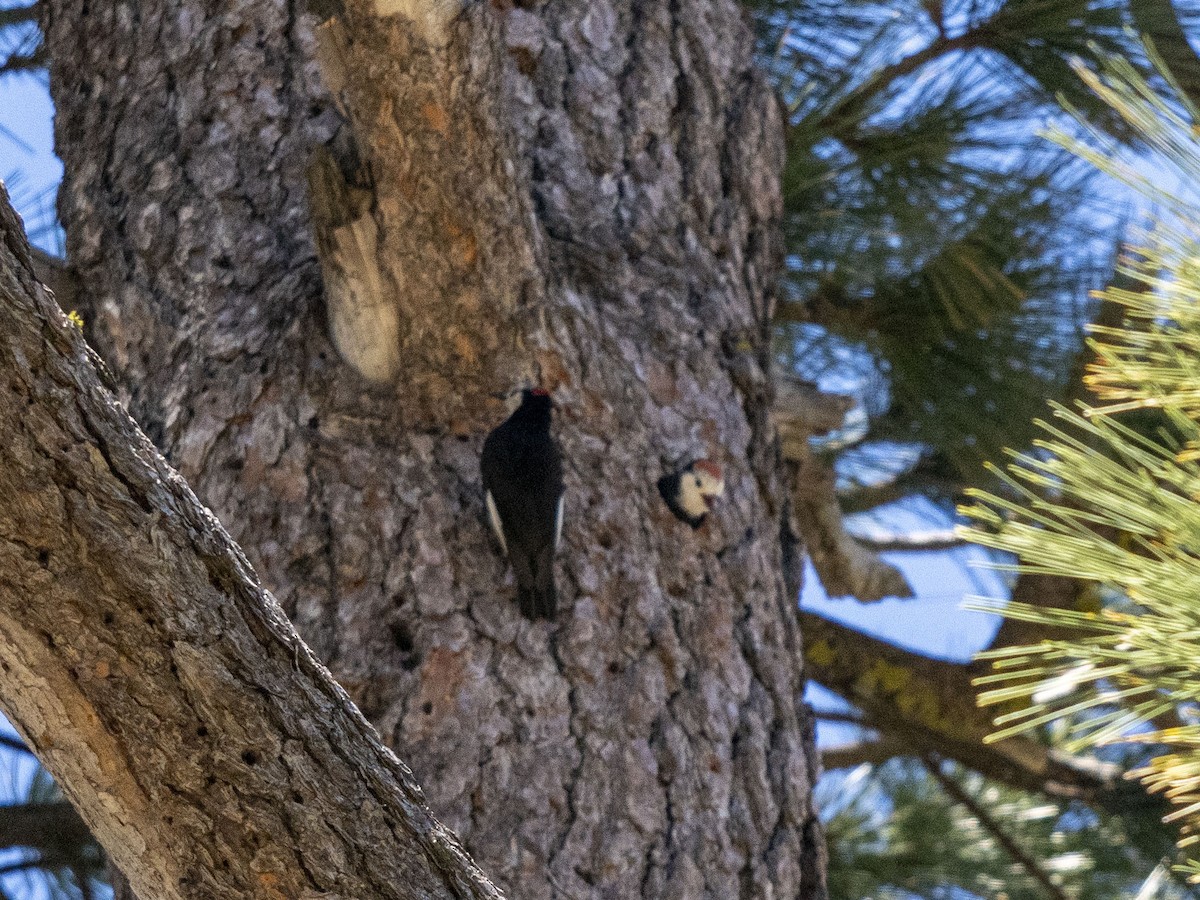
[(558, 520), (497, 526)]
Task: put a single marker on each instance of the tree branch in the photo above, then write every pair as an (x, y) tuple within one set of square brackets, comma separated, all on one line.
[(845, 566), (17, 15), (207, 749), (802, 411), (893, 543), (1159, 21), (54, 829), (909, 484), (929, 706), (954, 790), (14, 744), (848, 111), (872, 752), (24, 62)]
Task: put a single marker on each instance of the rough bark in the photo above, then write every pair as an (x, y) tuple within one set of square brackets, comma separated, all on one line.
[(584, 193), (161, 685)]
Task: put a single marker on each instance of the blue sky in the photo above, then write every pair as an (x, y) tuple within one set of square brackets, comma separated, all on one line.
[(27, 161)]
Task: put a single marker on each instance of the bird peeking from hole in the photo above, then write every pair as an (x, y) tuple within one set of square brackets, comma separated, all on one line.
[(523, 491), (688, 492)]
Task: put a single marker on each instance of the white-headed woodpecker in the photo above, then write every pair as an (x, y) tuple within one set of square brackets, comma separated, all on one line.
[(688, 491), (523, 485)]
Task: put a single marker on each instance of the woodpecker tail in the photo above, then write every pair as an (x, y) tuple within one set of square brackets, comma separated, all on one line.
[(536, 596)]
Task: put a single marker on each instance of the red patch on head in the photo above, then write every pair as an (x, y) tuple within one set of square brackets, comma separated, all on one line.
[(709, 467), (540, 392)]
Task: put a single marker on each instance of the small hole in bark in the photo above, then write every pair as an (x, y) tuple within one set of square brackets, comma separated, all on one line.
[(43, 558), (249, 757), (314, 423), (427, 707), (151, 621), (526, 62), (201, 731), (605, 540), (109, 618), (614, 668), (262, 370), (297, 798), (210, 781), (402, 637), (49, 639)]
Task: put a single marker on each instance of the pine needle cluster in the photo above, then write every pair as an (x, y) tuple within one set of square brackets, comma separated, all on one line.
[(1111, 492)]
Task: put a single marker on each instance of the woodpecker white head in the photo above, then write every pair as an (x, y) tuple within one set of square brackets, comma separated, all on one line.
[(689, 491)]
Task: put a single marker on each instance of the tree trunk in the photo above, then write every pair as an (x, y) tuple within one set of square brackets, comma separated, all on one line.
[(207, 749), (580, 194)]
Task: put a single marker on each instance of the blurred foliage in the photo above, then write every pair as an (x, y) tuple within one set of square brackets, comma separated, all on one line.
[(1107, 499), (37, 210), (78, 874), (57, 860), (910, 828), (930, 230), (941, 255), (21, 48)]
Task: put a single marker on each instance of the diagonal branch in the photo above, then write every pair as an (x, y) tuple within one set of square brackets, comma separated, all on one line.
[(207, 749), (955, 792), (1159, 21), (11, 743), (18, 15), (930, 704), (872, 752), (802, 411)]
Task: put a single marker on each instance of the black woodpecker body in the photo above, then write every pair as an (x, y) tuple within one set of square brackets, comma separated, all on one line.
[(523, 487), (687, 492)]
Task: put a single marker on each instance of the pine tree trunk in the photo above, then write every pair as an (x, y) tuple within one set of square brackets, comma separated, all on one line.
[(319, 241)]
